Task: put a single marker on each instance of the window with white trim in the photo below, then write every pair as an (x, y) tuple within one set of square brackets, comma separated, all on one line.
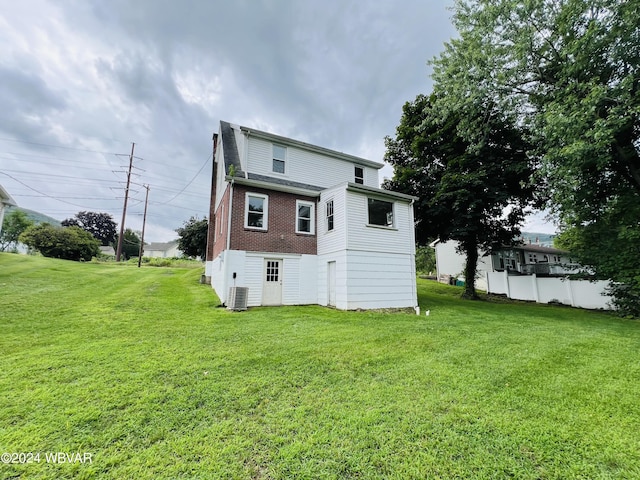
[(256, 211), (279, 156), (329, 215), (359, 174), (380, 212), (305, 218)]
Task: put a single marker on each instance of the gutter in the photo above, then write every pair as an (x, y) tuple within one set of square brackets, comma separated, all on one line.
[(273, 186)]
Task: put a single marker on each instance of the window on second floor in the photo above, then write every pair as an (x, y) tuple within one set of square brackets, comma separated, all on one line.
[(256, 211), (305, 220), (329, 215), (359, 175), (380, 212), (279, 156)]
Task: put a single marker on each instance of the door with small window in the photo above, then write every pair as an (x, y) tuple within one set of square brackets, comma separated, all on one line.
[(272, 285)]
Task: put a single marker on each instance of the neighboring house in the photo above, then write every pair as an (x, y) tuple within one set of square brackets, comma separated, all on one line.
[(301, 224), (162, 250), (5, 201), (525, 259), (107, 250)]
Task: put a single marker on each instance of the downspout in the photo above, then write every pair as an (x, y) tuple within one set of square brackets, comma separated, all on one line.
[(414, 286), (229, 214)]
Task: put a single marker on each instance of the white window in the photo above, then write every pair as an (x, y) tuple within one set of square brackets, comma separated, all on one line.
[(305, 220), (256, 211), (279, 155), (329, 215), (359, 174), (380, 212)]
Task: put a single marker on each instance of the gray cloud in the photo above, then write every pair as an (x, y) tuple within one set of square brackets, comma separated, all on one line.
[(27, 102), (99, 75)]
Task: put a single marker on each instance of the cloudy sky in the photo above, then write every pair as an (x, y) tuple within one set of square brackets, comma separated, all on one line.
[(83, 79)]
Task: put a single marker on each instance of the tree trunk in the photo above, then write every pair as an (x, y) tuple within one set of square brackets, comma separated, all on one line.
[(471, 250)]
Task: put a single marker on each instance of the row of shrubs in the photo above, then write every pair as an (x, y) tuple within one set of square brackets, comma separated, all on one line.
[(180, 262)]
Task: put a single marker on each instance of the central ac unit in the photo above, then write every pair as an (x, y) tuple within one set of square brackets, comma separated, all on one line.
[(238, 297)]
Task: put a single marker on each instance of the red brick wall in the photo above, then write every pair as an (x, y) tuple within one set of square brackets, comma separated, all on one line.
[(221, 216), (281, 235)]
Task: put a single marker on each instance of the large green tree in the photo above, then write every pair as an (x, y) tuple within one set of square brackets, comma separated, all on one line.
[(100, 225), (475, 194), (12, 226), (68, 243), (130, 244), (570, 71), (193, 237)]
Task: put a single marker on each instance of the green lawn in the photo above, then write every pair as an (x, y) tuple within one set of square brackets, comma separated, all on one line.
[(140, 369)]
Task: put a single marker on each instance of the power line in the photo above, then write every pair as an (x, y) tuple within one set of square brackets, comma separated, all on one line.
[(41, 193), (190, 182), (55, 146)]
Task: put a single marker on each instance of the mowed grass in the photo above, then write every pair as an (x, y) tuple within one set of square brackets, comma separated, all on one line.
[(141, 369)]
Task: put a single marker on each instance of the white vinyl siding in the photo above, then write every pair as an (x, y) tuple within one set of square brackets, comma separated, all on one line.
[(305, 166), (340, 278), (380, 280), (361, 236), (221, 183), (331, 241)]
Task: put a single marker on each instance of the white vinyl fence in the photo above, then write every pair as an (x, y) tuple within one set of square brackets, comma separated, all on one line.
[(577, 293)]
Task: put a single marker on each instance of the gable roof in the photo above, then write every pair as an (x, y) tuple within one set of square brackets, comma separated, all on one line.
[(230, 149), (232, 156), (314, 148), (5, 198)]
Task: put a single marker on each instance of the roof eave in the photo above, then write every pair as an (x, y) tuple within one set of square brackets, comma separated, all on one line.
[(357, 187), (272, 186)]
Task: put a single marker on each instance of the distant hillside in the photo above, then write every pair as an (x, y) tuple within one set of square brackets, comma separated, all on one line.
[(35, 216), (543, 239)]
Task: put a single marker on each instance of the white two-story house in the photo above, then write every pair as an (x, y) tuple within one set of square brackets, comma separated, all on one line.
[(301, 224)]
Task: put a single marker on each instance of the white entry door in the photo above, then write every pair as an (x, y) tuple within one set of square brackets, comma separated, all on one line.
[(272, 285), (331, 284)]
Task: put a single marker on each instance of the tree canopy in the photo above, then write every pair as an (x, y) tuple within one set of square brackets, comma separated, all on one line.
[(568, 71), (477, 196), (130, 244), (100, 225), (12, 227), (192, 239), (68, 243)]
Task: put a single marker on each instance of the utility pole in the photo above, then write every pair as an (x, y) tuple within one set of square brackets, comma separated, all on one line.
[(124, 209), (144, 222)]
